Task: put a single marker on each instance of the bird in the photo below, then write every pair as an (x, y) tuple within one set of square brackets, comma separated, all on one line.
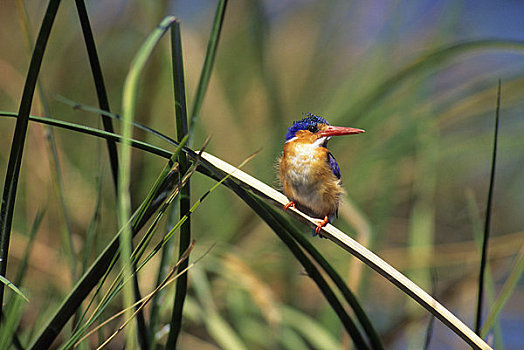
[(309, 174)]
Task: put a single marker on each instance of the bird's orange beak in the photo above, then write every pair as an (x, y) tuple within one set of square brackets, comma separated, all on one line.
[(339, 130)]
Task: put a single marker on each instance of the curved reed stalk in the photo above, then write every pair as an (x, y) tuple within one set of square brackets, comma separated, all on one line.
[(362, 253)]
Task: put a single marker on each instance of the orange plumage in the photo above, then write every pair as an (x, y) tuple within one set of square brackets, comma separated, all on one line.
[(308, 172)]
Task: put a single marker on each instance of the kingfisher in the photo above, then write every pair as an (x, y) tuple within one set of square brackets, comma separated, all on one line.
[(308, 171)]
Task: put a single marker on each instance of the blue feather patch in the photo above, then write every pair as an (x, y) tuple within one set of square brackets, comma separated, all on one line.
[(334, 165), (310, 122)]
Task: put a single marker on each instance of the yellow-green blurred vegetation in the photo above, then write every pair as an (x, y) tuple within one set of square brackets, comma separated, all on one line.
[(420, 78)]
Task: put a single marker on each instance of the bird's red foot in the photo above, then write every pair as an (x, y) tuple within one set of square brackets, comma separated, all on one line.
[(321, 224), (290, 204)]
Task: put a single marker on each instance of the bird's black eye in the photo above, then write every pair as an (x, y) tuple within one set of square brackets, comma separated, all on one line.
[(313, 128)]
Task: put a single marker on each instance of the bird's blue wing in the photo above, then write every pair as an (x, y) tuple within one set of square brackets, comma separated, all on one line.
[(334, 165)]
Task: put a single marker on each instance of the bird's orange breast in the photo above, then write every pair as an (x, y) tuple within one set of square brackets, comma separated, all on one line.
[(308, 179)]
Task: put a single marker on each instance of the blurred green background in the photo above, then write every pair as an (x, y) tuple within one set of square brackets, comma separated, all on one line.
[(416, 182)]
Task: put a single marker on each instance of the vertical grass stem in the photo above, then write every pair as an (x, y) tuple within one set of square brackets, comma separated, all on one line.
[(185, 204), (485, 242), (17, 145)]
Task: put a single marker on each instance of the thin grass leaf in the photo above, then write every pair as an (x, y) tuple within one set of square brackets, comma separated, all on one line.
[(14, 288), (185, 199), (488, 281), (11, 322), (163, 269), (131, 293), (421, 233), (140, 249), (207, 68), (98, 77), (136, 124), (87, 130), (431, 323), (309, 329), (66, 231), (17, 144), (139, 305), (94, 225), (487, 223), (167, 237), (20, 275), (505, 293), (186, 215), (54, 162), (216, 325)]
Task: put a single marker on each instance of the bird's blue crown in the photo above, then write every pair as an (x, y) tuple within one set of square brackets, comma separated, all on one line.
[(308, 123)]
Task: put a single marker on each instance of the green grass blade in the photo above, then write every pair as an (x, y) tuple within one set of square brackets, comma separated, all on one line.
[(422, 214), (17, 145), (96, 70), (209, 61), (131, 293), (182, 181), (217, 326), (14, 313), (136, 124), (58, 184), (14, 288), (54, 162), (30, 240), (505, 293), (309, 329), (488, 281), (487, 223), (163, 270), (94, 225), (86, 130), (185, 199), (431, 323)]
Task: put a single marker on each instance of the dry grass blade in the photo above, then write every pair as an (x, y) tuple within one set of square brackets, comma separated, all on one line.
[(171, 277), (369, 258)]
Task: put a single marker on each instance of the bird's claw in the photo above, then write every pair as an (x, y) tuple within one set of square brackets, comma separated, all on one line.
[(321, 223), (290, 204)]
